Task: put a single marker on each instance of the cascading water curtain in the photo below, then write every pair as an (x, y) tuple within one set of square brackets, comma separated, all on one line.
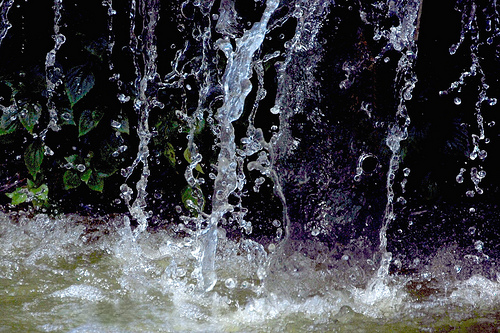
[(276, 122)]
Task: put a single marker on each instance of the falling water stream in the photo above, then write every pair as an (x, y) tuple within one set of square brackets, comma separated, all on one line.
[(298, 127)]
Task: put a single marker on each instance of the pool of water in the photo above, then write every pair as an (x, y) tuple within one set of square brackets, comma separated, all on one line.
[(74, 274)]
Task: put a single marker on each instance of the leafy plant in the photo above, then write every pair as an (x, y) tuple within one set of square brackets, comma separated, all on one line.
[(30, 193)]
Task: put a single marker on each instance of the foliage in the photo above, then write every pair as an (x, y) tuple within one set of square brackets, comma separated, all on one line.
[(38, 196)]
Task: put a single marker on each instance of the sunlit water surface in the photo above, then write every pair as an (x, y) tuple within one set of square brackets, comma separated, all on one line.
[(73, 274)]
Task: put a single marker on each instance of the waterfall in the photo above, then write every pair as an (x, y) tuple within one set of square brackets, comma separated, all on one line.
[(248, 156)]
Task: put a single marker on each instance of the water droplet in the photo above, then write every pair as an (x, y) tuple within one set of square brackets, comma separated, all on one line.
[(48, 151), (453, 49), (275, 110), (345, 84), (123, 99), (482, 154)]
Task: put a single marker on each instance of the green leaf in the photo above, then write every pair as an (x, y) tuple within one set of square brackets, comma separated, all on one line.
[(190, 201), (79, 81), (8, 124), (71, 179), (30, 115), (19, 196), (200, 125), (33, 157), (169, 153), (71, 159), (41, 193), (187, 194), (88, 121), (95, 182), (187, 156), (86, 176)]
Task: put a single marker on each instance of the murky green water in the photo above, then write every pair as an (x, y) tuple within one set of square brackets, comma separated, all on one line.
[(76, 275)]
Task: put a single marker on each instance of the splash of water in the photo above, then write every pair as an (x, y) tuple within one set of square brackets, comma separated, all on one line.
[(53, 73), (144, 102), (236, 84)]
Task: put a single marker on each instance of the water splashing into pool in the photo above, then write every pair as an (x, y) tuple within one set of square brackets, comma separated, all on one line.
[(256, 166)]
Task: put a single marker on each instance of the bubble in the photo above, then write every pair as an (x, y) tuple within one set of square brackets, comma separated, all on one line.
[(315, 232), (478, 245), (80, 167), (493, 101), (230, 283), (406, 172), (457, 101), (470, 193)]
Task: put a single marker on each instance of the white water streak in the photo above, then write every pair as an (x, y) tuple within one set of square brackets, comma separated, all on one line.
[(52, 72), (5, 25), (144, 103), (236, 85)]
